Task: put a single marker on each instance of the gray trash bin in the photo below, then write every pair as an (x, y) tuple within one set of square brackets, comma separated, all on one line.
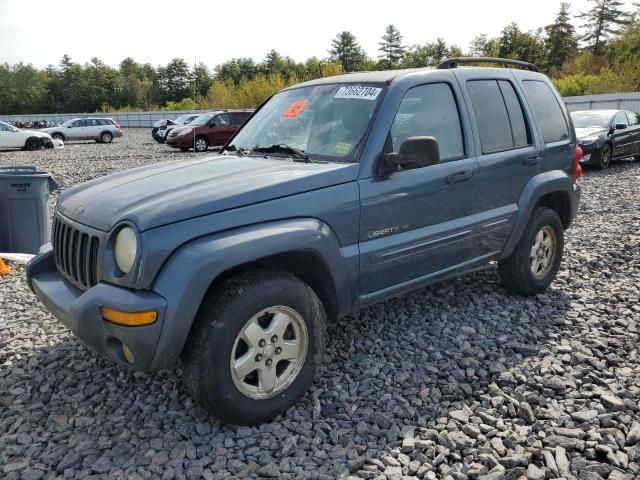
[(24, 212)]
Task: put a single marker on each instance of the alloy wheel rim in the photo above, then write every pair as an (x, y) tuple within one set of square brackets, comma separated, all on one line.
[(606, 157), (200, 144), (543, 252), (269, 352), (106, 137)]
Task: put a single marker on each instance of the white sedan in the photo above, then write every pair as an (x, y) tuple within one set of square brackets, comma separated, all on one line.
[(12, 137)]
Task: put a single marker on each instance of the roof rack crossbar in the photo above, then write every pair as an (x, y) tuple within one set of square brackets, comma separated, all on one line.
[(454, 62)]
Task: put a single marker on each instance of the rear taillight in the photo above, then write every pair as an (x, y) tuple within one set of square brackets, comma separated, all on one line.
[(577, 168), (117, 125)]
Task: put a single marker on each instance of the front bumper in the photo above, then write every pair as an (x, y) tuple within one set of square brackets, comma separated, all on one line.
[(591, 153), (79, 311)]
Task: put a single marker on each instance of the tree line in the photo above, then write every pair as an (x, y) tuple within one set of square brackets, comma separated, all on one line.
[(604, 58)]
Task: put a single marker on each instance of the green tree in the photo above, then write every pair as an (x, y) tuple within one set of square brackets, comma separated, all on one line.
[(483, 46), (202, 80), (391, 47), (560, 41), (603, 20), (175, 80), (429, 54), (518, 45), (346, 51)]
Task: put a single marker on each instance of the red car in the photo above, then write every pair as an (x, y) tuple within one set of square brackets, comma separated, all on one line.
[(208, 130)]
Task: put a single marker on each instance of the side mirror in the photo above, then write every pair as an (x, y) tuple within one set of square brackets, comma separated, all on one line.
[(415, 152), (69, 126), (620, 126), (212, 124)]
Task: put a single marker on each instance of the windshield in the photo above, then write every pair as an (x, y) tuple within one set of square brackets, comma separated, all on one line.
[(181, 118), (591, 119), (202, 119), (325, 121)]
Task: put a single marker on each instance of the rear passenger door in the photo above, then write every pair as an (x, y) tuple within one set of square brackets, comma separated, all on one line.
[(508, 157), (93, 128)]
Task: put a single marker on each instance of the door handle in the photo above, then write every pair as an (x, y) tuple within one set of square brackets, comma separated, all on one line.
[(532, 160), (458, 177)]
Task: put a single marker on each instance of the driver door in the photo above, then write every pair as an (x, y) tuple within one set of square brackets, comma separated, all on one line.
[(220, 129), (420, 222), (75, 131)]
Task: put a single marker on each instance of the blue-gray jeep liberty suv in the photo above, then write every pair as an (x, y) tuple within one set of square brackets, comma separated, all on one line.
[(335, 194)]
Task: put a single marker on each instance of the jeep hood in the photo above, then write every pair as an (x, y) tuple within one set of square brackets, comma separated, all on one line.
[(169, 192)]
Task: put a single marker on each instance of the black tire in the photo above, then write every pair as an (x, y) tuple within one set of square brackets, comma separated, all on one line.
[(200, 144), (106, 137), (637, 158), (58, 136), (33, 143), (516, 270), (606, 154), (222, 315)]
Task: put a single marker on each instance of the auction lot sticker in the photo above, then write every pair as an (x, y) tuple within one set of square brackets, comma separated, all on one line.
[(295, 109), (357, 91)]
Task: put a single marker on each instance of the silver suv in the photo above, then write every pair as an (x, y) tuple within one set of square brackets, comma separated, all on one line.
[(101, 130)]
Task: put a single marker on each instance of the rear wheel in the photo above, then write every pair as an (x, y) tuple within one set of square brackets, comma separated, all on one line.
[(33, 143), (605, 157), (535, 261), (255, 347), (106, 137), (201, 144)]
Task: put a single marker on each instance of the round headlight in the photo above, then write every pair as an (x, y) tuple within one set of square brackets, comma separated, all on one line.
[(126, 249)]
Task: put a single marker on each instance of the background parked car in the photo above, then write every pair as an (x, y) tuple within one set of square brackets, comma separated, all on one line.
[(162, 127), (208, 130), (102, 130), (13, 137), (607, 135)]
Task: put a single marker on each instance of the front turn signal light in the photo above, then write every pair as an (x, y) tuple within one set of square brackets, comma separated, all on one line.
[(129, 319)]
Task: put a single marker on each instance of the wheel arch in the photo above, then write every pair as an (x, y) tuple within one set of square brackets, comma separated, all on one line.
[(554, 190), (306, 248)]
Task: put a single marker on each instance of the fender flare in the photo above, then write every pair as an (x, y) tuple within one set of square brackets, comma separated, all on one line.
[(537, 187), (186, 276)]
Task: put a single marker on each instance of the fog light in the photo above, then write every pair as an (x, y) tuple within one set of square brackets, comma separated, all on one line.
[(128, 354), (129, 319)]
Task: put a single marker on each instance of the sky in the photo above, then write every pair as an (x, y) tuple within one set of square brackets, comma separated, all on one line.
[(213, 31)]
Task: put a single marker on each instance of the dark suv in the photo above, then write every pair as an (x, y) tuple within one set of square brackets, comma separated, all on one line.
[(336, 194), (208, 130)]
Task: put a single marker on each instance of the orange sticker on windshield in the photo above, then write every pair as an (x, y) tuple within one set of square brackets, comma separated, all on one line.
[(295, 109)]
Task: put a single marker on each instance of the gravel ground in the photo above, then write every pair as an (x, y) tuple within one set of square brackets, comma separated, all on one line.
[(459, 380)]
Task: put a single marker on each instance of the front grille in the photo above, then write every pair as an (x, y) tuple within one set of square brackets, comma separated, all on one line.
[(75, 253)]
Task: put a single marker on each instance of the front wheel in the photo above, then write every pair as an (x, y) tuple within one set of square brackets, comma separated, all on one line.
[(535, 261), (58, 136), (605, 157), (201, 144), (33, 143), (255, 347)]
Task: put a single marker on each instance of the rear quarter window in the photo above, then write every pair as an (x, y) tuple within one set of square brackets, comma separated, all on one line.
[(546, 111)]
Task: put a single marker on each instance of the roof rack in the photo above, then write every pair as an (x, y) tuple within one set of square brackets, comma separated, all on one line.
[(454, 62)]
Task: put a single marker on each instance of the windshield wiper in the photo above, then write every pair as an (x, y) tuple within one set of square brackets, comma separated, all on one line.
[(283, 148)]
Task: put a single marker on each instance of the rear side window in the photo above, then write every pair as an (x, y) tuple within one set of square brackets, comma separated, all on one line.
[(546, 111), (519, 129), (429, 110), (491, 115)]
